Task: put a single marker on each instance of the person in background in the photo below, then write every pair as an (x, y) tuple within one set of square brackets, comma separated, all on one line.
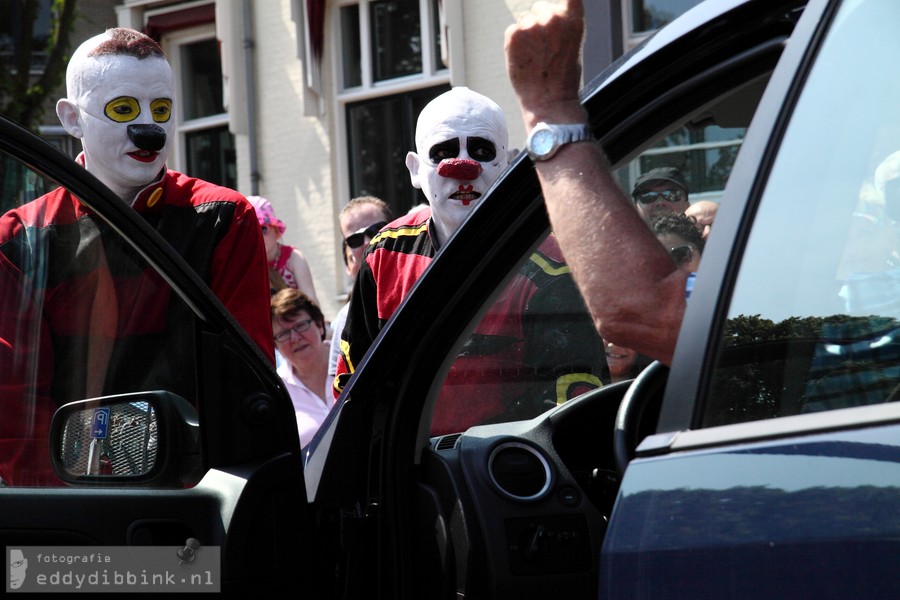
[(288, 268), (298, 327), (624, 363), (633, 290), (660, 191), (703, 213), (359, 221)]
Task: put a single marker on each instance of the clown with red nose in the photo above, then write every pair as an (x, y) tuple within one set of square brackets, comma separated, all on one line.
[(461, 149)]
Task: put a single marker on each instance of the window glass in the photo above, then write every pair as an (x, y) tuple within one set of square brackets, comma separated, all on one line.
[(535, 348), (705, 156), (83, 315), (380, 132), (12, 14), (211, 155), (813, 322), (650, 15), (352, 59), (396, 38), (201, 79)]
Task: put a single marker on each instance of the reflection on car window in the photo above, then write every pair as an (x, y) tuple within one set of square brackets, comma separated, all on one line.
[(83, 316), (535, 347), (814, 323)]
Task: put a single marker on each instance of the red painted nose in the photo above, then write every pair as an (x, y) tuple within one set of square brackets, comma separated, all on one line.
[(459, 168)]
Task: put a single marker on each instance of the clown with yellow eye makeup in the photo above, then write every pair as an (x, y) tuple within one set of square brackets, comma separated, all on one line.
[(111, 329)]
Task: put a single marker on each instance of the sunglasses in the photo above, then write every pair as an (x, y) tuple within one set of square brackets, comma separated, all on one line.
[(651, 196), (682, 255), (355, 240)]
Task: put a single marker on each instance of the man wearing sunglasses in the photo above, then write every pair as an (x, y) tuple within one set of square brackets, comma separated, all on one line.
[(360, 220), (660, 191)]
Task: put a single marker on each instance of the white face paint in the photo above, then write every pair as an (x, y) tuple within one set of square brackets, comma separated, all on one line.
[(107, 94), (461, 149)]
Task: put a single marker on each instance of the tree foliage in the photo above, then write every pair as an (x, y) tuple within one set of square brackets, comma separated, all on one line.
[(23, 94)]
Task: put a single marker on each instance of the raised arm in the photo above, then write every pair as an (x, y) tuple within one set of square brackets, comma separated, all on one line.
[(632, 289)]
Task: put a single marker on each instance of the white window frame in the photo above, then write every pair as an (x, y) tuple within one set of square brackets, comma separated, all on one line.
[(173, 43), (433, 73)]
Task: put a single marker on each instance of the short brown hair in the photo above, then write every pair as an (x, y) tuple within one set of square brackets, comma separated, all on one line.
[(289, 302), (128, 42)]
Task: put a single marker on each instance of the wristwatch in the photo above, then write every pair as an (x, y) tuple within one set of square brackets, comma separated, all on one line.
[(545, 139)]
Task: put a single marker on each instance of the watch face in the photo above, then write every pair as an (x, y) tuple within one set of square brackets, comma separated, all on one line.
[(542, 142)]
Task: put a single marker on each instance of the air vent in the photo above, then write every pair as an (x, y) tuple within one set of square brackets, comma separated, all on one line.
[(519, 471), (448, 442)]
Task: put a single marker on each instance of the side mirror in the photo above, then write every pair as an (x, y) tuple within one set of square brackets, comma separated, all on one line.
[(148, 439)]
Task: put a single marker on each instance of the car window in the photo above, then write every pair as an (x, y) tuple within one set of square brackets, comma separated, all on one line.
[(83, 316), (535, 346), (813, 321)]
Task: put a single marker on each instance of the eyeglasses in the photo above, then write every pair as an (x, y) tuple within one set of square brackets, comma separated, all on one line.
[(682, 255), (355, 240), (301, 326), (651, 196)]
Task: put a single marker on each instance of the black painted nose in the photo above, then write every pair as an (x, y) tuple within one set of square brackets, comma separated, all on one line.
[(147, 137)]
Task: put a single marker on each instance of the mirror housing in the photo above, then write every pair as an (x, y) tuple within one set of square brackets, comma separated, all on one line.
[(148, 439)]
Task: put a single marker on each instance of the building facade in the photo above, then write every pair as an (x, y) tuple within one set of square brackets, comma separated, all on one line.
[(312, 102)]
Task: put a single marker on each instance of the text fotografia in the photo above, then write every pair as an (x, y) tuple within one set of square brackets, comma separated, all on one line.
[(190, 567)]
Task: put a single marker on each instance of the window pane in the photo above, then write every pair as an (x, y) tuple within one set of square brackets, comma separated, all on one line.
[(211, 156), (814, 322), (350, 49), (649, 15), (11, 33), (380, 133), (201, 80), (704, 156), (83, 316), (396, 38), (535, 348)]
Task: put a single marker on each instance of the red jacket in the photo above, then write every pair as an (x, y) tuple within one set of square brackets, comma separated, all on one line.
[(84, 316)]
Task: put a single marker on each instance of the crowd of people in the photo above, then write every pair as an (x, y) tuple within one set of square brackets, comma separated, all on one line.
[(119, 91)]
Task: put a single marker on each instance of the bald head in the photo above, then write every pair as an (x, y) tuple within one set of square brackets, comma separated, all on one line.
[(462, 146)]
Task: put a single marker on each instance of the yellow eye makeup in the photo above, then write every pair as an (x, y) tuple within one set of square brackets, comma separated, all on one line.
[(122, 109), (161, 109)]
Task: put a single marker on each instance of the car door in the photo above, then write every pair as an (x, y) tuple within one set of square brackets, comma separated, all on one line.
[(199, 449), (774, 472), (515, 502)]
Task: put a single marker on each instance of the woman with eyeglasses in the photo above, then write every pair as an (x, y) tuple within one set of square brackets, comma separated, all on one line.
[(300, 337), (684, 242)]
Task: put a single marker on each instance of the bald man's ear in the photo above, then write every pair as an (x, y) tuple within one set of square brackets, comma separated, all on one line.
[(69, 117), (412, 163)]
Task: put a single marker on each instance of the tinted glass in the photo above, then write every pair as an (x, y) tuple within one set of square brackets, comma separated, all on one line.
[(211, 156), (813, 323), (535, 348), (83, 316)]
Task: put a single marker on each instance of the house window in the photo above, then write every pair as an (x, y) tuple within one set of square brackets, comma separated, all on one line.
[(12, 14), (390, 67), (204, 147)]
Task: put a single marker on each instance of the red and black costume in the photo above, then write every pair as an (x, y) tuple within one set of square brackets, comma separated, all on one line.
[(84, 315), (535, 348)]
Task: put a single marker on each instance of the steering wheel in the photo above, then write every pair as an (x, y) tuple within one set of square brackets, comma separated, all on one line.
[(638, 412)]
